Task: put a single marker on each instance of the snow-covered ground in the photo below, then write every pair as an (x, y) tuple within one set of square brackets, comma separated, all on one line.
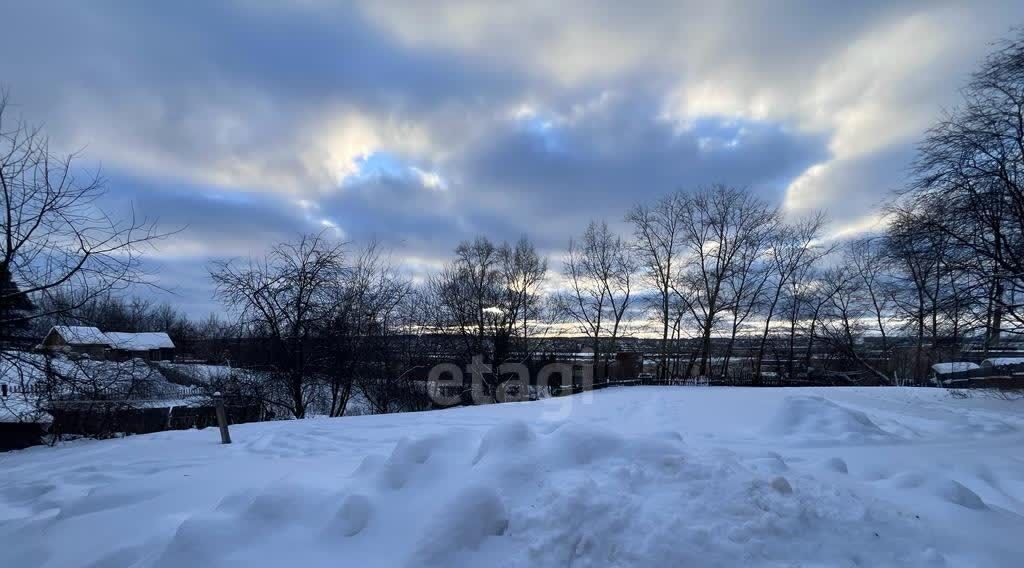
[(25, 373), (641, 476)]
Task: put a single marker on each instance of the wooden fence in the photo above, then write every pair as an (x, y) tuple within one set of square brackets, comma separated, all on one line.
[(131, 391)]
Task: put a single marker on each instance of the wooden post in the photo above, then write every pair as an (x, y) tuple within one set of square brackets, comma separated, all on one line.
[(222, 418)]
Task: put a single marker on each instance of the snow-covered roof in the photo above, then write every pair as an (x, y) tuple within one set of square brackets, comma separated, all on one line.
[(80, 335), (84, 335), (140, 341), (954, 367), (1003, 361)]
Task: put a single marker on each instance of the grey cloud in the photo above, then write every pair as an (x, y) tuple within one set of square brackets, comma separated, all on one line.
[(207, 220), (221, 116), (230, 87), (621, 154)]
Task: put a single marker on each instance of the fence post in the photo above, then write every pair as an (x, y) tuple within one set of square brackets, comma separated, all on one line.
[(222, 418)]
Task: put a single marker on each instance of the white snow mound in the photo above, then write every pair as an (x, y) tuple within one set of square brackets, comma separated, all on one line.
[(577, 496), (599, 480), (816, 419)]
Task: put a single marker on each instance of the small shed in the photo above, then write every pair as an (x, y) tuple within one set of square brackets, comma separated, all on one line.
[(150, 345), (78, 339), (952, 372), (954, 367), (1009, 363)]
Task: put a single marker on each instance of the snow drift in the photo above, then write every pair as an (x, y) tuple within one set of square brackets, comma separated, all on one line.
[(816, 419), (630, 477)]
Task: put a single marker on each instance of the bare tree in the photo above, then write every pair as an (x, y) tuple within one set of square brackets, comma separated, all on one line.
[(745, 287), (658, 233), (286, 297), (466, 296), (54, 236), (844, 318), (724, 229), (359, 338), (801, 302), (488, 297), (524, 272), (866, 257), (600, 271), (793, 249), (937, 295), (971, 164)]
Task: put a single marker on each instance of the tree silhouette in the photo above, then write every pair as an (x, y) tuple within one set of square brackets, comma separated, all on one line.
[(15, 306)]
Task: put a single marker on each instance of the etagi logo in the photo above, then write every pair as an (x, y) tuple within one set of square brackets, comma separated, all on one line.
[(510, 382)]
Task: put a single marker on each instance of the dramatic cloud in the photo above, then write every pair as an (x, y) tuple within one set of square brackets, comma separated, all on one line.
[(424, 123)]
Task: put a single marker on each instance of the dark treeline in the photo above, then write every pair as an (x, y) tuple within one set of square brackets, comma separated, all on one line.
[(112, 312)]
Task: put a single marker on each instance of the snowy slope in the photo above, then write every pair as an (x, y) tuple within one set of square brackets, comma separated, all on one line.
[(668, 476)]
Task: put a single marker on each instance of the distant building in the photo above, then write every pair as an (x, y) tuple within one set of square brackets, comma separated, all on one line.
[(77, 339), (84, 340), (627, 365), (954, 367), (1006, 363), (952, 372), (150, 345)]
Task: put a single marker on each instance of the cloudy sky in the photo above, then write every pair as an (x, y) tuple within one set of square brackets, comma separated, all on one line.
[(423, 123)]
